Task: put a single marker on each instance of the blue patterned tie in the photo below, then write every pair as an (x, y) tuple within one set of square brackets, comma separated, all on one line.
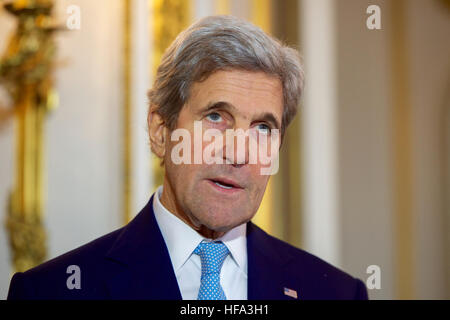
[(212, 255)]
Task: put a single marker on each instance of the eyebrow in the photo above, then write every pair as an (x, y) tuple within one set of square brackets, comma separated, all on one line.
[(223, 105)]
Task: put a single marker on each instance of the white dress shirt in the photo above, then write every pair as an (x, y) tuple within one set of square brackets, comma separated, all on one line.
[(181, 240)]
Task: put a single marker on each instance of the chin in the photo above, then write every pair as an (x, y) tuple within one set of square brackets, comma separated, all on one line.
[(224, 226), (218, 226), (219, 218)]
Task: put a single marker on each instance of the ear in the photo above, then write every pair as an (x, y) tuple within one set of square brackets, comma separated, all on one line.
[(157, 132)]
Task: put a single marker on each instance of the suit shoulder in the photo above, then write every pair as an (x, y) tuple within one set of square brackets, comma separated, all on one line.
[(50, 277), (311, 261), (300, 256), (90, 251), (319, 276)]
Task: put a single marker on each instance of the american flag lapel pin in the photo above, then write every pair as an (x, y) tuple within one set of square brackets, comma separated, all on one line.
[(291, 293)]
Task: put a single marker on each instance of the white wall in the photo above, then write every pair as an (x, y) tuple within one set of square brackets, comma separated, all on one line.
[(84, 133), (365, 168), (320, 225)]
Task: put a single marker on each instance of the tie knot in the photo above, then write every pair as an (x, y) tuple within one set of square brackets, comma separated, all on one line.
[(212, 256)]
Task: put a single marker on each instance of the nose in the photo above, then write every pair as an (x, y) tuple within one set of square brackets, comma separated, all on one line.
[(236, 147)]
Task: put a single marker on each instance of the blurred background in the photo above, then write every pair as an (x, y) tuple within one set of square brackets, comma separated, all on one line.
[(364, 179)]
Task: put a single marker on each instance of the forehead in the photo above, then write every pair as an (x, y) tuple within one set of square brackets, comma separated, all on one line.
[(246, 90)]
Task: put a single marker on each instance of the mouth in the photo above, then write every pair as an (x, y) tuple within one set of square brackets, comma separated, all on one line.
[(225, 185)]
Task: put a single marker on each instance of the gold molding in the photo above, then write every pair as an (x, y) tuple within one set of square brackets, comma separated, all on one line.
[(170, 17), (222, 7), (285, 187), (26, 72), (403, 180), (261, 14), (127, 109), (264, 217)]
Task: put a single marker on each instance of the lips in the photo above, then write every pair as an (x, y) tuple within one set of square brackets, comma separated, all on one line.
[(226, 183)]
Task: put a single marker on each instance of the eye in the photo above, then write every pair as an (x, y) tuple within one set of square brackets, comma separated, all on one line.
[(263, 128), (214, 117)]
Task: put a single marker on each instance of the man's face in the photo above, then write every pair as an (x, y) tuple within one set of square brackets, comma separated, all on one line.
[(200, 194)]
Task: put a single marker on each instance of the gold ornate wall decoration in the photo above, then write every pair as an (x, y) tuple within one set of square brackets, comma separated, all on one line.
[(26, 73), (280, 210), (262, 14), (402, 154), (127, 143), (170, 17), (222, 7), (287, 193), (264, 217)]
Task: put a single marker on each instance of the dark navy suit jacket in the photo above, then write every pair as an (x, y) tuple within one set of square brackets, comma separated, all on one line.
[(133, 263)]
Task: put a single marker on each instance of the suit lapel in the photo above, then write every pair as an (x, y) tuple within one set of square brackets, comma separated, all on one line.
[(139, 265)]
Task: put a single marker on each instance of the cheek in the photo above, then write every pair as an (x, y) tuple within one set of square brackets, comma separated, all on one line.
[(180, 173), (174, 171), (259, 181)]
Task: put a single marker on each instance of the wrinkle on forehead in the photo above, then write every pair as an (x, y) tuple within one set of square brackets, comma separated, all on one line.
[(251, 87)]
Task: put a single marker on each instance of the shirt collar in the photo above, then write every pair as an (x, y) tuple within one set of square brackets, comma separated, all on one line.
[(181, 240)]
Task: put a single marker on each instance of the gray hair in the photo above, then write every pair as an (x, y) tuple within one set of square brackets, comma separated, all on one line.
[(222, 43)]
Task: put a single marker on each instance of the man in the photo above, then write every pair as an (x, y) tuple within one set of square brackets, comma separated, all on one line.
[(194, 239)]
